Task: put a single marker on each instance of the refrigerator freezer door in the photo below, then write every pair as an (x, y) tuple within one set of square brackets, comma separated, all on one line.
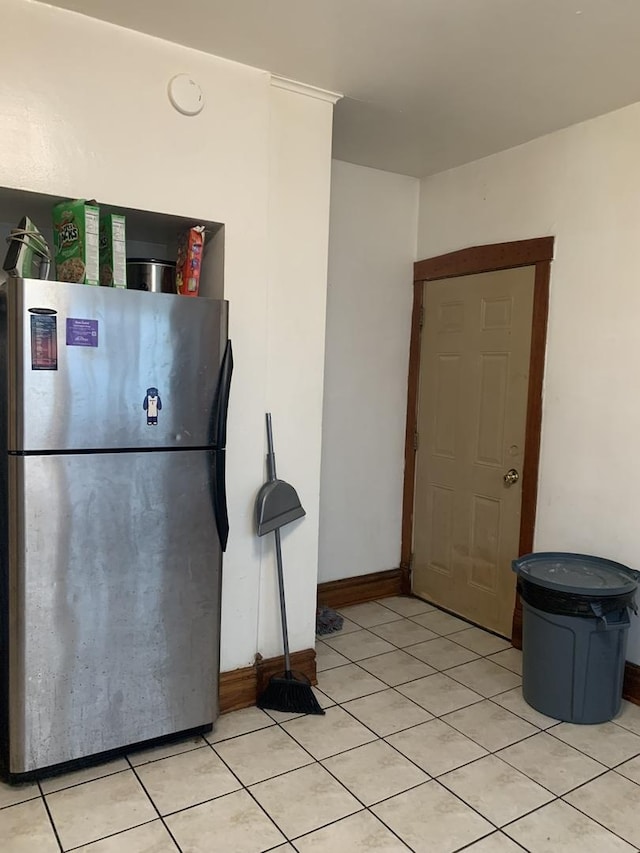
[(94, 368), (114, 609)]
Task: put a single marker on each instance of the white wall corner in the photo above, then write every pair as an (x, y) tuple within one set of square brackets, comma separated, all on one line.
[(305, 89), (372, 247)]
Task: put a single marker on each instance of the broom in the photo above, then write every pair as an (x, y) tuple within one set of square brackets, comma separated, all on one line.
[(278, 504)]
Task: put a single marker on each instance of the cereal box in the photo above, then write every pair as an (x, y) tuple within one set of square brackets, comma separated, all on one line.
[(113, 250), (190, 247), (76, 241)]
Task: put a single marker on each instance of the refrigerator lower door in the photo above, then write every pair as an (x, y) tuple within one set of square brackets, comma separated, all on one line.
[(114, 608)]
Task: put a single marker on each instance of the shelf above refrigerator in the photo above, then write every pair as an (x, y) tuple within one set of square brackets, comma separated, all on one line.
[(150, 234)]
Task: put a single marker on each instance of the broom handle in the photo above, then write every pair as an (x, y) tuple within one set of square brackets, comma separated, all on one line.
[(283, 606), (271, 470), (271, 457)]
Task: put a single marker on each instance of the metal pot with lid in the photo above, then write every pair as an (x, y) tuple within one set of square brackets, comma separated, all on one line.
[(151, 274)]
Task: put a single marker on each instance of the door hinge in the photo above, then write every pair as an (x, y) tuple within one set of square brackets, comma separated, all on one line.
[(415, 440), (421, 318)]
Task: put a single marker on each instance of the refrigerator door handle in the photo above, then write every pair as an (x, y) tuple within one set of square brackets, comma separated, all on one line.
[(219, 497), (218, 423), (218, 433)]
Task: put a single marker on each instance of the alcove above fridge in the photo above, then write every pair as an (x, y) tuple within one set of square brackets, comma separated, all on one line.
[(149, 234)]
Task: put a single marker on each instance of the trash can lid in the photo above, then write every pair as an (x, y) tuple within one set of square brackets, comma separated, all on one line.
[(581, 574)]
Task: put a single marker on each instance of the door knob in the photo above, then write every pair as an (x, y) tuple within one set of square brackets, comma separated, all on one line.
[(511, 477)]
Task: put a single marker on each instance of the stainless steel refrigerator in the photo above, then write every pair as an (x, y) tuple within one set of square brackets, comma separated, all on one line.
[(113, 519)]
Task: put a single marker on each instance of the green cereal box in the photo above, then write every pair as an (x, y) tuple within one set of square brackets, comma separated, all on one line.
[(113, 250), (75, 239)]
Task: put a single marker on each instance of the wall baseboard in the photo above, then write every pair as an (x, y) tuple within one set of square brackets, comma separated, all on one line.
[(362, 588), (240, 688), (237, 689), (631, 688)]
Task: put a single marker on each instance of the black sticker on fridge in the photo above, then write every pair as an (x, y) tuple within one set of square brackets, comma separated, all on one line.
[(152, 405), (44, 342)]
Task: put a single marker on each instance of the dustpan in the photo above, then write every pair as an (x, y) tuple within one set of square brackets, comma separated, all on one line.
[(277, 502)]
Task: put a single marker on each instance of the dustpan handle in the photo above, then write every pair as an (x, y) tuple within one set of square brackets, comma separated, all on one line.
[(271, 457)]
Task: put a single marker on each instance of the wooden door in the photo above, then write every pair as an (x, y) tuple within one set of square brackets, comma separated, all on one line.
[(472, 410)]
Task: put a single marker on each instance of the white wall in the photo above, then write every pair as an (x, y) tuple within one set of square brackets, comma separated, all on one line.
[(300, 178), (84, 113), (582, 185), (371, 252)]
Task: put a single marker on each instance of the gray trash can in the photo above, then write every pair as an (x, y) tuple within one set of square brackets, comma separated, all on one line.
[(575, 623)]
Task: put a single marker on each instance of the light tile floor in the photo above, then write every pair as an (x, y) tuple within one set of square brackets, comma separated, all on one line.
[(426, 745)]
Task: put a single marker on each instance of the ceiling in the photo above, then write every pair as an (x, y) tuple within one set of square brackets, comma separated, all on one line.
[(428, 84)]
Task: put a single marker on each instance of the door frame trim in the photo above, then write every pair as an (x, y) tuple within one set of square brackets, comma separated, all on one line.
[(538, 253)]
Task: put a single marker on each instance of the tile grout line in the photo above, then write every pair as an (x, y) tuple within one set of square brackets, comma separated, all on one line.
[(368, 810), (381, 601), (439, 717), (396, 689), (444, 671), (406, 649), (497, 826), (499, 832), (21, 802), (314, 760), (500, 748), (451, 637), (151, 760), (192, 805), (494, 753), (78, 784), (605, 769), (329, 823), (519, 716), (382, 738), (365, 807), (479, 656), (243, 787), (582, 752), (50, 816), (352, 793), (157, 810), (415, 616), (555, 796), (464, 803), (624, 728), (110, 835), (562, 800), (429, 779), (541, 731), (489, 698)]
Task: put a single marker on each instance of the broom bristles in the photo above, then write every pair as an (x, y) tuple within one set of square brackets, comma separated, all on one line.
[(290, 695)]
